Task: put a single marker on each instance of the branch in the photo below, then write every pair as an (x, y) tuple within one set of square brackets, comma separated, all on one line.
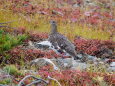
[(3, 26), (36, 81), (8, 22), (6, 27), (3, 85), (54, 80)]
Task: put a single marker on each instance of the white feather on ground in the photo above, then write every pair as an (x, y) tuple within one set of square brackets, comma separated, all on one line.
[(50, 46)]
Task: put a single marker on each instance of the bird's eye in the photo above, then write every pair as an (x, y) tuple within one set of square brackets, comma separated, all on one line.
[(53, 21)]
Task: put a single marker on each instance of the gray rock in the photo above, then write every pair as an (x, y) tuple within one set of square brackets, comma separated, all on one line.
[(40, 62), (63, 64), (76, 5), (112, 64), (70, 63), (79, 65), (112, 67), (67, 63), (89, 3)]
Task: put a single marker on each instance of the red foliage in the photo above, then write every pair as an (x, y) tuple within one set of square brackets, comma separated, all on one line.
[(87, 46), (20, 30), (110, 79), (94, 16), (23, 6), (94, 47), (35, 36), (93, 21), (109, 44), (108, 15), (75, 77), (20, 53)]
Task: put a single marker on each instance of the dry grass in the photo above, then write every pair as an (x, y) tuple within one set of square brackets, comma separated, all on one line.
[(41, 23)]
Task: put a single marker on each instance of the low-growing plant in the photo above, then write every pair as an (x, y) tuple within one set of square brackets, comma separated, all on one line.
[(1, 31), (12, 70), (94, 47), (20, 55), (21, 38), (77, 77), (100, 67), (5, 81), (7, 41), (86, 26)]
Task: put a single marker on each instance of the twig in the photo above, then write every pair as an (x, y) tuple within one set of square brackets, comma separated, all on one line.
[(3, 85), (8, 22), (34, 82), (28, 76), (54, 80), (7, 27), (3, 26)]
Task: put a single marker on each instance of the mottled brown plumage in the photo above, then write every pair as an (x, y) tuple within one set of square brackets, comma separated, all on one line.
[(59, 40)]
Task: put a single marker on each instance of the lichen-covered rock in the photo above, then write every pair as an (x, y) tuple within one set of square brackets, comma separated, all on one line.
[(63, 63), (40, 62), (70, 63)]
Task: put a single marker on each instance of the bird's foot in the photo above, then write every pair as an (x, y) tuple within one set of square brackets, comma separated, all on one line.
[(76, 58)]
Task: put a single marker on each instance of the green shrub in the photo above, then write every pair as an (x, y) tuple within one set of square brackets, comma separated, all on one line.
[(6, 45), (5, 81), (21, 38), (12, 70), (7, 41), (1, 31)]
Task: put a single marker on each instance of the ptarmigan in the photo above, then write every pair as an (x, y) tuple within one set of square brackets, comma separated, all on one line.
[(59, 41)]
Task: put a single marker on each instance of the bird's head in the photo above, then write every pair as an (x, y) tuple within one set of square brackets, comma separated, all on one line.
[(53, 26), (52, 22)]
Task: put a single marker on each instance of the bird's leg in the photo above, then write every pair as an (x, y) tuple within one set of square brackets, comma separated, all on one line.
[(55, 45), (60, 51), (76, 57)]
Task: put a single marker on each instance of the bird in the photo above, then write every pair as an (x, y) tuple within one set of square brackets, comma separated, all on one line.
[(61, 42)]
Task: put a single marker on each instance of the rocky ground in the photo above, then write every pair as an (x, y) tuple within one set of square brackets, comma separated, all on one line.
[(68, 63), (28, 59)]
